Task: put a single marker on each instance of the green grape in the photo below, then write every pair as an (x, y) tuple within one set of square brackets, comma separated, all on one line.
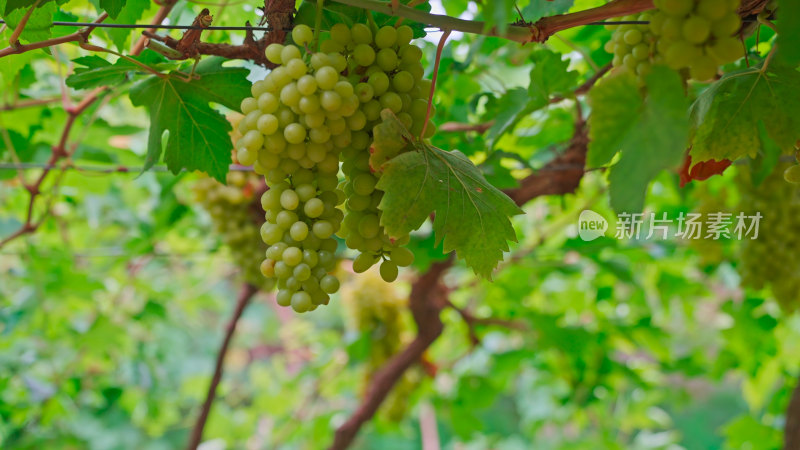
[(363, 55), (361, 34), (677, 7), (326, 77), (388, 271), (386, 37), (273, 53), (696, 29), (363, 262), (402, 256), (340, 33), (726, 50), (301, 301), (387, 59), (792, 174), (726, 26), (703, 69), (712, 9)]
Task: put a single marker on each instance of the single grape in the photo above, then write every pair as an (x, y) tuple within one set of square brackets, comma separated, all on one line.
[(388, 271)]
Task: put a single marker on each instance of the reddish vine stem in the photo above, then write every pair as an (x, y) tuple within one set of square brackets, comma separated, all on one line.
[(78, 36), (59, 152), (439, 49), (247, 292), (161, 14)]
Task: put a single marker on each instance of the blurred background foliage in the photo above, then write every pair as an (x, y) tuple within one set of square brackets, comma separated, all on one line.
[(112, 312)]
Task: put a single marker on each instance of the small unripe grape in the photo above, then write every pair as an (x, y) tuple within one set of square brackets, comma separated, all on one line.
[(273, 53), (402, 256), (361, 34), (388, 271), (792, 174), (363, 262), (302, 34), (386, 37)]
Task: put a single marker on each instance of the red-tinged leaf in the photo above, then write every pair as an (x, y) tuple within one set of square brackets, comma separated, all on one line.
[(703, 170)]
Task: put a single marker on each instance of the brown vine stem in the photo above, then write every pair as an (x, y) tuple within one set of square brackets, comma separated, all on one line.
[(439, 49), (78, 36), (791, 432), (538, 32), (247, 292)]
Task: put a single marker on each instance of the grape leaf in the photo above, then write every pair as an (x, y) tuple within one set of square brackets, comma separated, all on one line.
[(198, 135), (726, 116), (789, 31), (535, 10), (651, 136), (112, 7), (472, 216), (131, 13), (99, 72)]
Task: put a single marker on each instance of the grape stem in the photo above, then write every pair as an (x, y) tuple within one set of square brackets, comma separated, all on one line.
[(439, 49), (537, 32), (318, 22), (13, 40)]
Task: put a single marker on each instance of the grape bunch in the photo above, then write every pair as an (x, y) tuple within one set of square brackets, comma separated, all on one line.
[(773, 259), (697, 34), (373, 306), (311, 112), (386, 70), (235, 219), (633, 46), (300, 117)]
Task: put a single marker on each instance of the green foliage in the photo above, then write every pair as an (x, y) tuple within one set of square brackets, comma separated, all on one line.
[(198, 137), (471, 215), (651, 133), (112, 312), (726, 116), (789, 32)]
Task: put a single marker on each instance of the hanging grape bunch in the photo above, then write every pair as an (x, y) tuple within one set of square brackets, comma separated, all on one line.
[(633, 46), (697, 35), (772, 259), (308, 114)]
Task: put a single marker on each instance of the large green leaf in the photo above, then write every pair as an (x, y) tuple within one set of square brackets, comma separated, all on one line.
[(725, 118), (131, 13), (472, 216), (652, 135), (198, 135)]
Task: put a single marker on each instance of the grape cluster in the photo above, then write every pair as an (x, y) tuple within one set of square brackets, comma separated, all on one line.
[(311, 112), (386, 70), (773, 259), (234, 218), (374, 306), (633, 46), (298, 120), (697, 34)]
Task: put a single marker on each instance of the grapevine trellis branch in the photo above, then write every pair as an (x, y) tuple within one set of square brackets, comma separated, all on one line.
[(537, 32), (247, 293)]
